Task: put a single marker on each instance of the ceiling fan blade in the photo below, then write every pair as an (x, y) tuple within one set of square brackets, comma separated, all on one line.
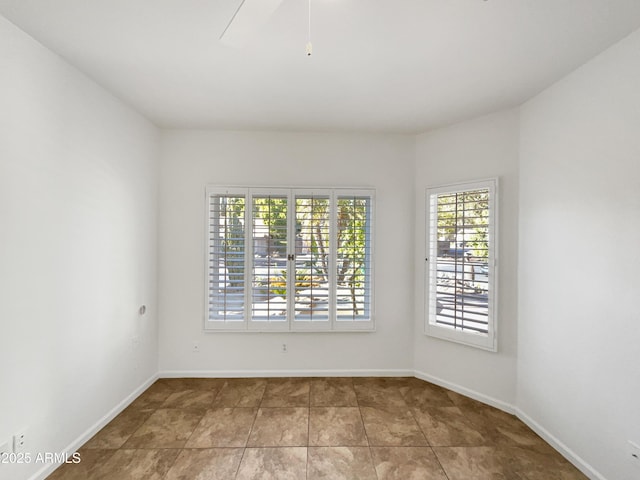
[(248, 18)]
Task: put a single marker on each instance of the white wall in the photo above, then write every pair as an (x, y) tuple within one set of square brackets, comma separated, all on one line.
[(579, 270), (481, 148), (77, 256), (192, 159)]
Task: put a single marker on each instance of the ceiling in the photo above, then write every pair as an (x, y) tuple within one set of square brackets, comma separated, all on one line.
[(402, 66)]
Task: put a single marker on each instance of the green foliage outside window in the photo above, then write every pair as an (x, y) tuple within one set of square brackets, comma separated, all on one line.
[(463, 221), (312, 230)]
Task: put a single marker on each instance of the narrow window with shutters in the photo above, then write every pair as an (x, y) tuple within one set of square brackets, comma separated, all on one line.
[(354, 258), (461, 258), (226, 260), (312, 257), (269, 286)]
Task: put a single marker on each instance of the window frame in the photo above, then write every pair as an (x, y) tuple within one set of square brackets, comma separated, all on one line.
[(488, 341), (248, 324)]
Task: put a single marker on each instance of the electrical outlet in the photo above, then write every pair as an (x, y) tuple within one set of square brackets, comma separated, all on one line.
[(634, 453), (20, 442), (284, 348), (196, 347), (5, 447)]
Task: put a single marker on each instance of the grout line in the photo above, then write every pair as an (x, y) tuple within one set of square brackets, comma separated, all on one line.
[(364, 427), (180, 450), (252, 425), (439, 463), (244, 450), (215, 397), (240, 462), (204, 414), (418, 424), (264, 393), (373, 463)]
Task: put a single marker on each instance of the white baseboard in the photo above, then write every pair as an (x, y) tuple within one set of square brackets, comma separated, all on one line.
[(283, 373), (565, 451), (95, 428), (481, 397)]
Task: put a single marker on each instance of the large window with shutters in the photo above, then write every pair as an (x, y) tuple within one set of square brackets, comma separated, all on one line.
[(461, 260), (289, 259)]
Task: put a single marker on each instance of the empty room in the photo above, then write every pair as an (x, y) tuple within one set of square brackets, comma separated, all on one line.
[(319, 239)]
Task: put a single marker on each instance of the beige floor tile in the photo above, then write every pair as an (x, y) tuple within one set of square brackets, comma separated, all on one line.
[(332, 392), (464, 402), (190, 399), (406, 463), (286, 392), (391, 427), (448, 427), (478, 463), (383, 382), (127, 464), (179, 384), (340, 463), (90, 461), (241, 392), (223, 427), (206, 464), (533, 465), (503, 429), (379, 396), (152, 397), (518, 463), (289, 463), (280, 427), (165, 428), (336, 426), (425, 394), (118, 430)]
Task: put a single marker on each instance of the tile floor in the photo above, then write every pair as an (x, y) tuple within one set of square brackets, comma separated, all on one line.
[(313, 428)]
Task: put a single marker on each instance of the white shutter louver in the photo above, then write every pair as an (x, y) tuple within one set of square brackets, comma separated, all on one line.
[(269, 289), (353, 269), (226, 257), (312, 257)]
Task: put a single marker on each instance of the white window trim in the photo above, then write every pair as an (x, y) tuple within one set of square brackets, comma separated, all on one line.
[(490, 340), (289, 325)]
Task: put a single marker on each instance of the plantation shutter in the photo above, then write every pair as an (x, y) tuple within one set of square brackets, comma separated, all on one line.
[(312, 287), (226, 260), (354, 252), (270, 232), (289, 259), (461, 257)]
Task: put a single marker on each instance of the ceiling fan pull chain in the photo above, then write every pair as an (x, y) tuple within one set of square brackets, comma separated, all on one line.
[(309, 46)]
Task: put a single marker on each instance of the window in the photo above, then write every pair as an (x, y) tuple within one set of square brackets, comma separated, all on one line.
[(461, 258), (289, 259)]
